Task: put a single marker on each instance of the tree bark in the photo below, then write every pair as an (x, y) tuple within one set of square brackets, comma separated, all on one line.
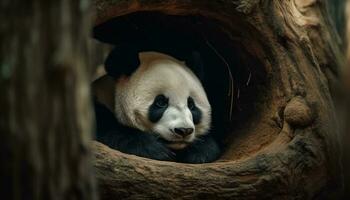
[(298, 46), (346, 138), (45, 117)]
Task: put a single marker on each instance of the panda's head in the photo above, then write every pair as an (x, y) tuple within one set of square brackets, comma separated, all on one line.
[(163, 97)]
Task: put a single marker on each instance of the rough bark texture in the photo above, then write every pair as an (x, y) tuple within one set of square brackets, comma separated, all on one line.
[(298, 46), (346, 138), (45, 119)]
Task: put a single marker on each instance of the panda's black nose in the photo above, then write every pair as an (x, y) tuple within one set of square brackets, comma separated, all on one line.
[(183, 131)]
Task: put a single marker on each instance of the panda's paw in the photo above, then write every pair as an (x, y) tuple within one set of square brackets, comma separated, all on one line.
[(147, 145), (204, 150), (156, 150)]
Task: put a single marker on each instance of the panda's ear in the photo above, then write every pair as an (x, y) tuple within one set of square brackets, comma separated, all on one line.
[(122, 60), (195, 63)]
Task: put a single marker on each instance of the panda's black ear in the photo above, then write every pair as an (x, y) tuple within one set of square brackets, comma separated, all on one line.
[(195, 63), (122, 60)]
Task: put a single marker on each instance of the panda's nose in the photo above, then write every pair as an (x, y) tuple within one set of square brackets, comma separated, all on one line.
[(183, 131)]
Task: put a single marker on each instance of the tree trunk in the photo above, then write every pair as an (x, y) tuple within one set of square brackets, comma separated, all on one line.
[(292, 150), (45, 120), (346, 138)]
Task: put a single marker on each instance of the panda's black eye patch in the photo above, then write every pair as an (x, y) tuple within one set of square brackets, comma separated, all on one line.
[(158, 107), (196, 113), (190, 103), (161, 101)]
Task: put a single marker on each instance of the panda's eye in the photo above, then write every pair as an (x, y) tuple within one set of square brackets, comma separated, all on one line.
[(190, 103), (161, 101)]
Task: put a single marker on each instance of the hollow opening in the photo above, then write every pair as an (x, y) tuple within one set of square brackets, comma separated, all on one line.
[(234, 78)]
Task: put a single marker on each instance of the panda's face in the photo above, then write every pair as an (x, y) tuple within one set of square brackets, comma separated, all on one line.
[(175, 118), (165, 98)]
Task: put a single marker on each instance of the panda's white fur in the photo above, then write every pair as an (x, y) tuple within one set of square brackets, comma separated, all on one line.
[(162, 74)]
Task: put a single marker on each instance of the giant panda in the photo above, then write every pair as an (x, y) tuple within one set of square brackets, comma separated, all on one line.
[(152, 105)]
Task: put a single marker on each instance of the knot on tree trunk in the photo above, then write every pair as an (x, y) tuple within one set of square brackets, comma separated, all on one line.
[(297, 113)]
